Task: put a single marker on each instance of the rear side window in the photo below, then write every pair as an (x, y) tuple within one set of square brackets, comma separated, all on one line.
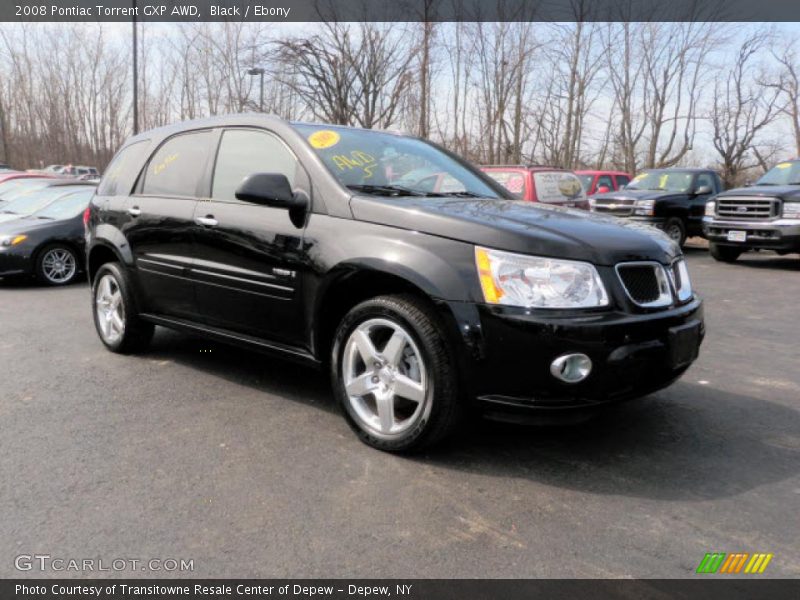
[(127, 161), (605, 181), (177, 166), (513, 181), (243, 152), (623, 180), (557, 186)]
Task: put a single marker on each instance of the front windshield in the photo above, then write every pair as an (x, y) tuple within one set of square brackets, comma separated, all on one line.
[(16, 188), (67, 207), (386, 164), (785, 173), (672, 181), (34, 200)]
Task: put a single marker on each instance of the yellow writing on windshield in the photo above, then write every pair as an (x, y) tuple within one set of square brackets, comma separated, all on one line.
[(158, 168), (356, 160)]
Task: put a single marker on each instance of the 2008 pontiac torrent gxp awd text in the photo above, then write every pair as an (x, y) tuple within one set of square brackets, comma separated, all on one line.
[(330, 246)]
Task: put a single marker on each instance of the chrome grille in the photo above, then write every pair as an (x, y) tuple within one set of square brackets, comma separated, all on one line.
[(619, 207), (646, 283), (750, 208)]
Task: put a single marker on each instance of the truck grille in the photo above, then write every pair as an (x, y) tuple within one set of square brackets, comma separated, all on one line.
[(752, 208), (619, 207), (645, 283)]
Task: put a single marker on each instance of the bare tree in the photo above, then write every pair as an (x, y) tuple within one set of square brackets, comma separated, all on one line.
[(741, 109)]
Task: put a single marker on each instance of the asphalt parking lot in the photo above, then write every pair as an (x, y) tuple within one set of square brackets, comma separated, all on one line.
[(242, 463)]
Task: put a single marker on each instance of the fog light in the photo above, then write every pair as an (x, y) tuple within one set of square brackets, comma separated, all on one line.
[(571, 368)]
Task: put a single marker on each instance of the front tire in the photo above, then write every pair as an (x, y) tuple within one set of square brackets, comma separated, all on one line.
[(676, 230), (116, 316), (393, 374), (726, 254), (56, 265)]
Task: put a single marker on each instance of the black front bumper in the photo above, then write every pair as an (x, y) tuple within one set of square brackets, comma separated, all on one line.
[(781, 235), (509, 352)]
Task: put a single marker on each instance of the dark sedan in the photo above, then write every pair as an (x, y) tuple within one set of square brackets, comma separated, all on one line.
[(48, 243)]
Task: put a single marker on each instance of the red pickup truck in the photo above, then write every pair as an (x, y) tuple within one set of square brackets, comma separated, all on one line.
[(600, 182)]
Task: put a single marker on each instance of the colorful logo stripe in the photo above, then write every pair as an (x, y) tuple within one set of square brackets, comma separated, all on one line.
[(734, 563)]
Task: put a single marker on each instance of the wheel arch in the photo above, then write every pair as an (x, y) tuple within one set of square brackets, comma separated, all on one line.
[(99, 254)]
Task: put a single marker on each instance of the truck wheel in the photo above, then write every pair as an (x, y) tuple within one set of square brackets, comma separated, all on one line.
[(676, 230), (727, 254), (116, 317), (393, 374), (56, 264)]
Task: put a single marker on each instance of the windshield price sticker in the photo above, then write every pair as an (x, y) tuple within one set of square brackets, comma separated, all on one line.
[(324, 138)]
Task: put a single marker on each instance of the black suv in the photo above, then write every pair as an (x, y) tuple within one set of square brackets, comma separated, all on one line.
[(296, 239), (765, 216), (671, 199)]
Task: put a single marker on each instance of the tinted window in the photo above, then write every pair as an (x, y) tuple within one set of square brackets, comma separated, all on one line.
[(127, 160), (244, 152), (622, 180), (605, 180), (177, 166), (704, 179)]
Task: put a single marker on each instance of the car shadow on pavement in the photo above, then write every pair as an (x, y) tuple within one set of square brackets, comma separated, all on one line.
[(688, 442), (788, 262)]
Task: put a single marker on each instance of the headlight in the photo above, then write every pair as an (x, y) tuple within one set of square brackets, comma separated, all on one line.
[(538, 282), (680, 276), (791, 210), (12, 240), (644, 207), (711, 208)]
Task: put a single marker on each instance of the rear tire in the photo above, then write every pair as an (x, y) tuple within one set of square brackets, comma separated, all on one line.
[(116, 316), (726, 254), (393, 374), (676, 230)]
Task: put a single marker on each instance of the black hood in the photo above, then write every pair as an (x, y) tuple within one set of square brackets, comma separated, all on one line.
[(525, 227), (639, 195), (768, 191)]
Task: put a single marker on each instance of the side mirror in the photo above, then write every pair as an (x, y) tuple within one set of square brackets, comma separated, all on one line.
[(269, 189), (702, 190), (603, 189)]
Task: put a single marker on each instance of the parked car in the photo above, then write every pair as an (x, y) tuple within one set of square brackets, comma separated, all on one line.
[(29, 197), (550, 185), (765, 216), (672, 199), (296, 241), (11, 184), (601, 182), (49, 243), (80, 171)]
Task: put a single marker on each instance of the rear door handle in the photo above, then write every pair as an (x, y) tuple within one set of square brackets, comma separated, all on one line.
[(134, 211), (208, 221)]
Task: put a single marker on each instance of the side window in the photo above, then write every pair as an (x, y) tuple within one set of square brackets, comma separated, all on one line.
[(605, 180), (177, 166), (243, 152), (127, 161), (705, 179), (622, 181)]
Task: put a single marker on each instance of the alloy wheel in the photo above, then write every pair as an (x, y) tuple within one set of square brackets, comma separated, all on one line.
[(59, 265), (385, 379), (110, 309)]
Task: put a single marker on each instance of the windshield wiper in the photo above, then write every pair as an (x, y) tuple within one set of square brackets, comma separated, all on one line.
[(390, 190), (465, 194), (9, 212), (44, 217)]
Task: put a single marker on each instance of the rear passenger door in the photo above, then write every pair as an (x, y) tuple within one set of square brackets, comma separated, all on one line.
[(249, 257), (160, 221)]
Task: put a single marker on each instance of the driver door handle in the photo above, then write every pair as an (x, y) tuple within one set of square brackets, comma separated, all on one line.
[(208, 221), (134, 211)]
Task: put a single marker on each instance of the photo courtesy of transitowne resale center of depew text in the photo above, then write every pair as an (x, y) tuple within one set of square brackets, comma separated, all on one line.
[(428, 299)]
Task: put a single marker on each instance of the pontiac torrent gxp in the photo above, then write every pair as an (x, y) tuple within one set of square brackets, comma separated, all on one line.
[(296, 239)]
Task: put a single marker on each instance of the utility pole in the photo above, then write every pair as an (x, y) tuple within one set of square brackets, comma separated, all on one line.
[(260, 72), (135, 74)]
